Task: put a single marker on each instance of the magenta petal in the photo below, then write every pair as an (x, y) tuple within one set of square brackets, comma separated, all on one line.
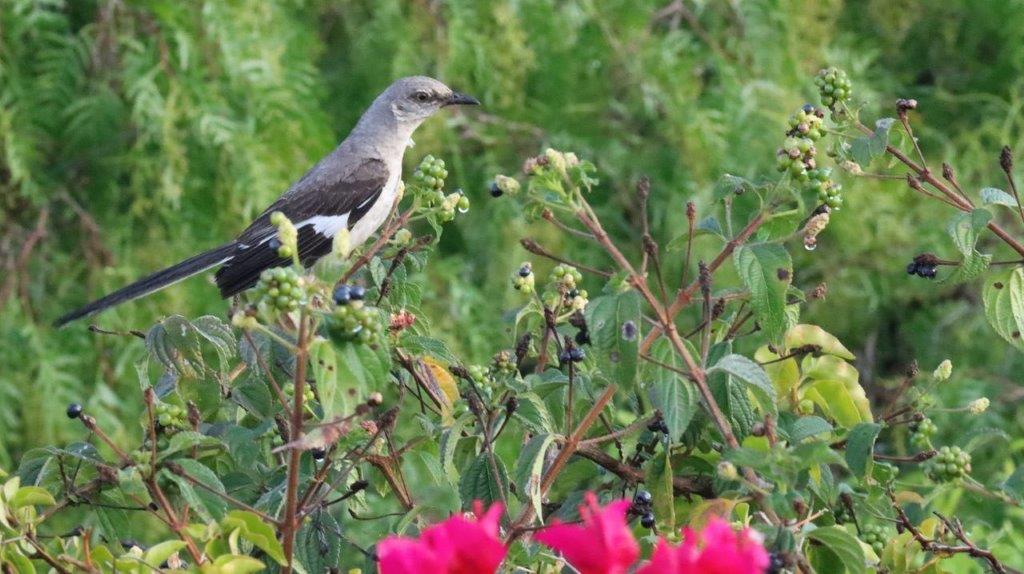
[(405, 556)]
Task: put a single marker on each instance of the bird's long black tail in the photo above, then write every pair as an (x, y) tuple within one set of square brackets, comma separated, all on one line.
[(154, 282)]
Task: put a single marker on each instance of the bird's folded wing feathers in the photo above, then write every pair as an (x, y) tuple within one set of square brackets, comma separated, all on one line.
[(326, 200)]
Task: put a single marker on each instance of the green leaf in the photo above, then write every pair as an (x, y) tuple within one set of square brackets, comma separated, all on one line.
[(251, 528), (766, 270), (234, 564), (324, 364), (361, 368), (31, 496), (866, 149), (207, 504), (530, 467), (844, 545), (860, 445), (318, 543), (677, 401), (606, 316), (965, 228), (660, 482), (534, 412), (185, 440), (994, 196), (162, 551), (1003, 297), (254, 396), (448, 443), (479, 482), (420, 345), (806, 427), (753, 376)]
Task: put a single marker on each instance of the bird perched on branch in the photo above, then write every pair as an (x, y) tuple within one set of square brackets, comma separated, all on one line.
[(352, 188)]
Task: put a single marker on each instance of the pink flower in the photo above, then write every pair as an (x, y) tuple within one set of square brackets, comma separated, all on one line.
[(604, 543), (718, 549), (456, 546)]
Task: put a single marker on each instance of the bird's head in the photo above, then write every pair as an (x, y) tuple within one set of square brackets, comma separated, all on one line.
[(416, 98)]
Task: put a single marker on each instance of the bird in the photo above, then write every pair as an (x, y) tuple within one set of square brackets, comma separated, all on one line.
[(353, 188)]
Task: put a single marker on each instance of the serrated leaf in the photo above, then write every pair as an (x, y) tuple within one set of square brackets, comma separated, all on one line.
[(659, 479), (185, 440), (994, 196), (677, 401), (205, 503), (806, 427), (844, 545), (534, 412), (766, 270), (860, 446), (449, 441), (479, 482), (606, 316), (529, 469), (752, 376), (1003, 297), (318, 543)]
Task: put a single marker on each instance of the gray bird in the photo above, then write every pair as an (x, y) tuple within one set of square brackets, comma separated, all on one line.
[(352, 188)]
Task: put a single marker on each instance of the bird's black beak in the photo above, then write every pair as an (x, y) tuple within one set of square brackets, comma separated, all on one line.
[(457, 99)]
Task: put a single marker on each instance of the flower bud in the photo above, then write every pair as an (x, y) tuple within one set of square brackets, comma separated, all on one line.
[(943, 371), (727, 470), (978, 406), (507, 184)]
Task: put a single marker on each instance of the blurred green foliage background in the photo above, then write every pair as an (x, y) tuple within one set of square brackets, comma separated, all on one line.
[(134, 133)]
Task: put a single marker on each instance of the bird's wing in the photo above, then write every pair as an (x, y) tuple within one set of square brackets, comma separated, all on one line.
[(326, 200)]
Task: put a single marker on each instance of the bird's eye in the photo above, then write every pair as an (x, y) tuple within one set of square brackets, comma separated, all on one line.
[(421, 96)]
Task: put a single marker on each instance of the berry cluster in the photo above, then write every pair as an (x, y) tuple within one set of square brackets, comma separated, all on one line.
[(834, 86), (565, 279), (572, 355), (504, 362), (829, 192), (307, 393), (924, 266), (352, 319), (796, 156), (523, 280), (923, 433), (842, 515), (281, 288), (171, 417), (642, 502), (807, 123), (401, 238), (874, 536), (478, 373), (950, 464), (430, 174), (658, 426)]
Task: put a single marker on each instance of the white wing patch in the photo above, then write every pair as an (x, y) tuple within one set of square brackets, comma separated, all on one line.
[(326, 225)]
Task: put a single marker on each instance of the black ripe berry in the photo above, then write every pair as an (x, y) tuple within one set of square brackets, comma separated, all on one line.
[(357, 292), (342, 295), (582, 337), (775, 563), (274, 244), (912, 268), (577, 355), (496, 189), (525, 271), (642, 498), (318, 453), (565, 357), (74, 411), (647, 520)]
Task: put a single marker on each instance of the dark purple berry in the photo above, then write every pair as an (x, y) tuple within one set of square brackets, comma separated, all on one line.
[(274, 244), (576, 354), (565, 357), (342, 295), (318, 453), (357, 292), (496, 189), (775, 563), (582, 337), (74, 411), (525, 271), (642, 498), (912, 268), (647, 520)]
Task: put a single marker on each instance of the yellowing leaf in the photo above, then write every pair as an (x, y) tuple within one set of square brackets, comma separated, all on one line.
[(445, 381), (804, 334)]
